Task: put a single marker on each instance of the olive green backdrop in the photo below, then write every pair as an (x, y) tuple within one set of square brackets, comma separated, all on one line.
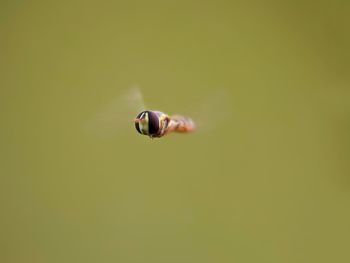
[(269, 183)]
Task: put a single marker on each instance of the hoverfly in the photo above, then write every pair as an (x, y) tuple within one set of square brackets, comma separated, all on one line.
[(156, 124), (120, 113)]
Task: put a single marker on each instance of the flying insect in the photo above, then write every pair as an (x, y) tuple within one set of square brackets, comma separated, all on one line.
[(156, 124), (115, 118)]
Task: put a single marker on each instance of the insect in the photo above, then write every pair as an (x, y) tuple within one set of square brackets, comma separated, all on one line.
[(156, 124), (114, 119)]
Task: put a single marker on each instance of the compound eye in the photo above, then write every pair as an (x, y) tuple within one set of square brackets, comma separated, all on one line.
[(141, 116), (137, 126), (153, 123)]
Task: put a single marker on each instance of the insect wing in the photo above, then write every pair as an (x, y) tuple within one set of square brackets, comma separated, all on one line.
[(117, 116), (212, 112)]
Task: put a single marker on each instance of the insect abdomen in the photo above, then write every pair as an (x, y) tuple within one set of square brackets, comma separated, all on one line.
[(181, 124)]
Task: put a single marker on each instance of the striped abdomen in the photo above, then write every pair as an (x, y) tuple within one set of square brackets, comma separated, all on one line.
[(180, 123)]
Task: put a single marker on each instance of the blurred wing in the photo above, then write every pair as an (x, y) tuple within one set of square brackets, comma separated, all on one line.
[(117, 116), (212, 112)]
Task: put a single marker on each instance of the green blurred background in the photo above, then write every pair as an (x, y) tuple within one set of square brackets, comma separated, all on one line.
[(269, 184)]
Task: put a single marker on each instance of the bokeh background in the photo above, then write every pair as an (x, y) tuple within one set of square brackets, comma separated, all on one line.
[(269, 183)]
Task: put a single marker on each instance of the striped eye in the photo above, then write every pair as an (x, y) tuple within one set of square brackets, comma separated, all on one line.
[(148, 123), (153, 123), (141, 122)]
